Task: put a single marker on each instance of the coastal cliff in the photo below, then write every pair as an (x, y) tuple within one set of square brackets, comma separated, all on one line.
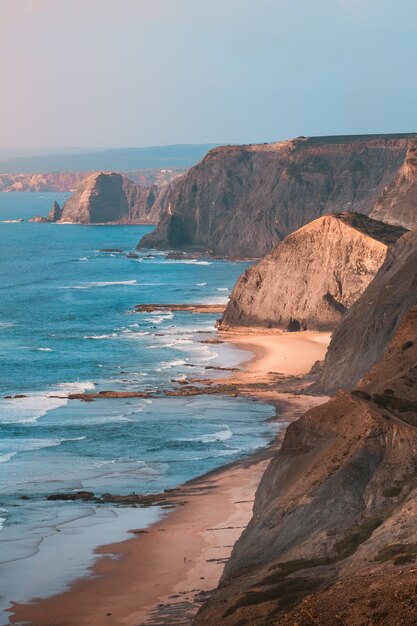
[(54, 181), (313, 276), (110, 197), (243, 200), (333, 538), (367, 328)]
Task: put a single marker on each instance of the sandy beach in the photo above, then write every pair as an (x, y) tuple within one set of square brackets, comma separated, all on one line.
[(161, 575)]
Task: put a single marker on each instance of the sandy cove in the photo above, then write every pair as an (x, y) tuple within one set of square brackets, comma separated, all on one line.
[(162, 576)]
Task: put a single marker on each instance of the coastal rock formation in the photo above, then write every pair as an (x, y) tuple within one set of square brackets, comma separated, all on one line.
[(110, 197), (55, 213), (311, 278), (367, 328), (333, 538), (243, 200), (39, 219)]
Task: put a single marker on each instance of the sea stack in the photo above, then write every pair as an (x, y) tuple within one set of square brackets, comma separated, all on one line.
[(113, 198), (242, 200), (314, 276), (55, 213)]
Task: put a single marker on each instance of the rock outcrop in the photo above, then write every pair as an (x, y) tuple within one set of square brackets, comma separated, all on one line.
[(39, 219), (110, 197), (314, 276), (367, 328), (333, 538), (55, 213), (243, 200)]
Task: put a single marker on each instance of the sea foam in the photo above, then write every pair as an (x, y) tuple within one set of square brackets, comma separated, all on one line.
[(28, 410)]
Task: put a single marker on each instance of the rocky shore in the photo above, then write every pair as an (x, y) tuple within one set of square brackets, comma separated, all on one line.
[(185, 552)]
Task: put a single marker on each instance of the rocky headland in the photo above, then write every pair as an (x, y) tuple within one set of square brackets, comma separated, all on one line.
[(112, 198), (313, 276), (243, 200)]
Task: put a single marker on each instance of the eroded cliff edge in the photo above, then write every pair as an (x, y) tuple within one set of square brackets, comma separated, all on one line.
[(313, 276), (242, 200), (333, 538)]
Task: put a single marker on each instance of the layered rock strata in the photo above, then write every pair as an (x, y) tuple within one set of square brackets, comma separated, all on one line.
[(243, 200), (314, 276)]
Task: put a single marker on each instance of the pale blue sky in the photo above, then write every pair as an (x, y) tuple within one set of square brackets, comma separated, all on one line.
[(151, 72)]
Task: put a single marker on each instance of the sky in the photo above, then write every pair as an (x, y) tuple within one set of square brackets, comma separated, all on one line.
[(119, 73)]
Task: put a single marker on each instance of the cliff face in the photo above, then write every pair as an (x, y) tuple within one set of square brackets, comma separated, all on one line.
[(312, 277), (398, 202), (110, 197), (366, 329), (333, 538), (242, 200)]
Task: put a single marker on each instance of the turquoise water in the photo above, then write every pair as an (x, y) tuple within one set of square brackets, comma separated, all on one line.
[(67, 323)]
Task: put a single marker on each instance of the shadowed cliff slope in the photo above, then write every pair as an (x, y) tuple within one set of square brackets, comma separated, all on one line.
[(312, 277), (110, 197), (333, 538), (366, 329), (242, 200)]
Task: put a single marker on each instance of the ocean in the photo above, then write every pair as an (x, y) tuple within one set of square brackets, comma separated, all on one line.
[(67, 324)]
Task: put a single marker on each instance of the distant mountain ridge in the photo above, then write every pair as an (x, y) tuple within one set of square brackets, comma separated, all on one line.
[(117, 159), (242, 200), (69, 181)]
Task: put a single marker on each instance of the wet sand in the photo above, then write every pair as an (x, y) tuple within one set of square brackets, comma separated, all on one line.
[(161, 576)]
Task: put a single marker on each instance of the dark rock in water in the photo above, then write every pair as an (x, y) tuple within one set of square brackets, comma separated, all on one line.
[(112, 250), (19, 395), (193, 308), (78, 495), (177, 255), (113, 198), (243, 200), (311, 278), (55, 213), (367, 328), (39, 219)]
